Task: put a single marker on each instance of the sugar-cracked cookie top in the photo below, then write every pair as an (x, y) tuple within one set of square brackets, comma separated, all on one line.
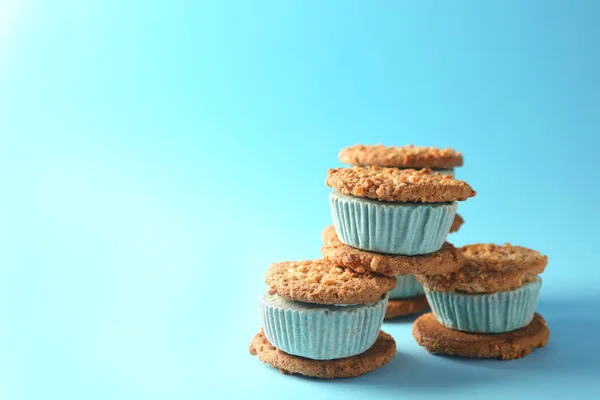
[(325, 282), (443, 261), (398, 185), (489, 268), (401, 156)]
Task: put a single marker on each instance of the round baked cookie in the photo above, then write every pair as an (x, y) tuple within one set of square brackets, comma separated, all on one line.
[(377, 356), (401, 156), (398, 185), (457, 223), (402, 307), (436, 338), (325, 282), (328, 234), (489, 268), (443, 261)]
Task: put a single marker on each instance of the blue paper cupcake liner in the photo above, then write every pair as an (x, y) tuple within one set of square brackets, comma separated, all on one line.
[(393, 228), (407, 287), (486, 313), (321, 332)]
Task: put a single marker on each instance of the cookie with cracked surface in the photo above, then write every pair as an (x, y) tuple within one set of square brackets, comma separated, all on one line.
[(489, 268), (403, 307), (398, 185), (377, 356), (445, 260), (401, 156), (457, 223), (325, 282), (436, 338)]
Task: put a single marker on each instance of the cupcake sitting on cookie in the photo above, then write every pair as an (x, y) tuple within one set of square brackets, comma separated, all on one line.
[(396, 212), (385, 256), (322, 319), (408, 295), (494, 292)]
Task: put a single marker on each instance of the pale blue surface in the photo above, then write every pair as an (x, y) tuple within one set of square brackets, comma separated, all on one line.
[(155, 159)]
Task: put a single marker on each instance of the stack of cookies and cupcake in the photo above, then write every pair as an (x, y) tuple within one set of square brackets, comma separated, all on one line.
[(323, 320), (418, 227), (392, 211), (485, 309)]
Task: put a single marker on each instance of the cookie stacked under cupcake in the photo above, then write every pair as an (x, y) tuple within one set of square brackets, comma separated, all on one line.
[(486, 309), (324, 320), (387, 215), (386, 255), (406, 298)]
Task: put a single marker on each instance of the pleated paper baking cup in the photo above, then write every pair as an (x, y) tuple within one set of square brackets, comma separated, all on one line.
[(406, 286), (321, 332), (486, 313), (393, 228)]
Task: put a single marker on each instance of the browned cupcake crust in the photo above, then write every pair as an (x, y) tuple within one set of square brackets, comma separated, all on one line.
[(325, 282), (489, 268), (401, 156), (443, 261), (437, 338), (403, 307), (457, 223), (398, 185), (377, 356)]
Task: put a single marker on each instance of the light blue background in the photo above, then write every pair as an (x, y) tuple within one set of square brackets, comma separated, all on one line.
[(156, 157)]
